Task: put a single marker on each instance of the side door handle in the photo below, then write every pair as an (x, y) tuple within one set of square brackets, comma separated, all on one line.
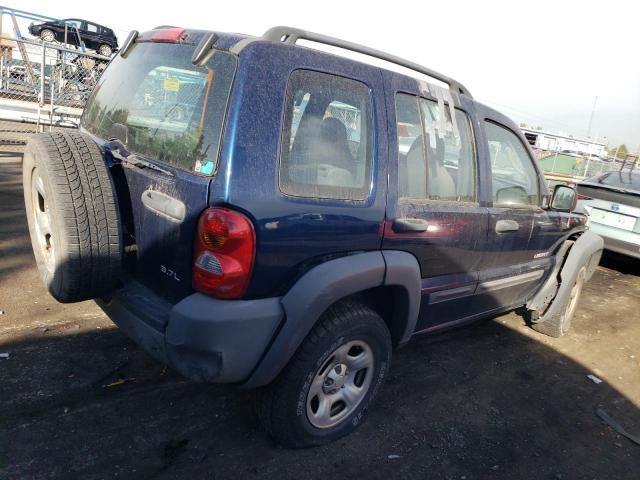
[(409, 225), (503, 226)]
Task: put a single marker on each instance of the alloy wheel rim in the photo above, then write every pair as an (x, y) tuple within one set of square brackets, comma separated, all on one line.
[(47, 36), (42, 216), (340, 384)]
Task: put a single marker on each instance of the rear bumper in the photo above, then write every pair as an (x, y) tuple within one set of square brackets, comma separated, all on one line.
[(619, 246), (203, 338), (626, 243)]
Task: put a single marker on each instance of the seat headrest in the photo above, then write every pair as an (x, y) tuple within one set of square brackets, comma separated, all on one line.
[(333, 130), (435, 155)]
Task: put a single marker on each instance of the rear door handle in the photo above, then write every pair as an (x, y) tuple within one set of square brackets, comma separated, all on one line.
[(409, 225), (503, 226)]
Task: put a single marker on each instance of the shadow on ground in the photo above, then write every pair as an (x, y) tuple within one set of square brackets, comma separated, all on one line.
[(15, 249), (478, 402), (621, 263)]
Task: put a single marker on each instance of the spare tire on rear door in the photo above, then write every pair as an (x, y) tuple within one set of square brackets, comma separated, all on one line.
[(73, 216)]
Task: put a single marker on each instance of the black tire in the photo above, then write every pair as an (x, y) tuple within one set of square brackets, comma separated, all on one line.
[(559, 324), (73, 216), (283, 405)]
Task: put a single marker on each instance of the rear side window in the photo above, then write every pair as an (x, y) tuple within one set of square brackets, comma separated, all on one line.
[(326, 143), (168, 109), (436, 158), (514, 179)]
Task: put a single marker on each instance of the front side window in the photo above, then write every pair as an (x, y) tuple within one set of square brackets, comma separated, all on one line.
[(326, 149), (515, 180), (436, 158)]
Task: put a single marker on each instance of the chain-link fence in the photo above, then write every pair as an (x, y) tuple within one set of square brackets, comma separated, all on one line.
[(576, 165), (43, 85), (559, 167)]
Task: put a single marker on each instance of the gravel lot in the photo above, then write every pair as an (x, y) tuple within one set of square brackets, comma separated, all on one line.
[(492, 400)]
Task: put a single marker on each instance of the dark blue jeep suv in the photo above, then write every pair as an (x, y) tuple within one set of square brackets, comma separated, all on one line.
[(262, 213)]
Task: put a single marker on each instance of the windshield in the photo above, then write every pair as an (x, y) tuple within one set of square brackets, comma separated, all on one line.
[(168, 109), (626, 180)]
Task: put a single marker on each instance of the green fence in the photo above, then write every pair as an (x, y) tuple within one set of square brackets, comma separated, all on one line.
[(575, 166)]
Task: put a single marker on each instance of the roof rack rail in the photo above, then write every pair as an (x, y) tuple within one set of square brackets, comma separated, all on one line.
[(290, 36)]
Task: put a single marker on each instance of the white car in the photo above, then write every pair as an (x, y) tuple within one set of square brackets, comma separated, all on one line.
[(612, 201)]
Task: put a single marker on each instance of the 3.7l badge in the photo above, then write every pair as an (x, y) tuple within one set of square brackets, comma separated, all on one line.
[(169, 273)]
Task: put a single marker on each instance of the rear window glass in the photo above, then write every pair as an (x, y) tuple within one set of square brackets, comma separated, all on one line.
[(624, 179), (168, 109)]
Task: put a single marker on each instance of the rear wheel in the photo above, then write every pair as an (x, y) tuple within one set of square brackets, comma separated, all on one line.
[(47, 35), (72, 215), (105, 50), (325, 391)]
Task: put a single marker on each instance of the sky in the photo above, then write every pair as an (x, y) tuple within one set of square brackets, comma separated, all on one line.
[(541, 62)]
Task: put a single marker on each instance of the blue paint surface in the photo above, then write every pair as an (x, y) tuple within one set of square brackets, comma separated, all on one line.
[(294, 234)]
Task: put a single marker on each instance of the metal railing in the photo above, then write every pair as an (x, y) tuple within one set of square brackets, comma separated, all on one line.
[(43, 85)]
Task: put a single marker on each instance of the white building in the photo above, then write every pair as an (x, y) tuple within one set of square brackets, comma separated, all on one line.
[(558, 143)]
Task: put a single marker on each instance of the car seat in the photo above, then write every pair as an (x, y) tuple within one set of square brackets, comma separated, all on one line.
[(438, 184)]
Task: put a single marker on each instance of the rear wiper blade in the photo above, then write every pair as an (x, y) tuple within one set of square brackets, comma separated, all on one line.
[(116, 149), (134, 161)]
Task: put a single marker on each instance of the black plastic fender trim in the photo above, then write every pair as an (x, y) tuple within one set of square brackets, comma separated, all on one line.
[(403, 271), (330, 282)]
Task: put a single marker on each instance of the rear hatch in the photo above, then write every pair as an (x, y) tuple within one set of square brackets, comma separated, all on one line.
[(160, 119)]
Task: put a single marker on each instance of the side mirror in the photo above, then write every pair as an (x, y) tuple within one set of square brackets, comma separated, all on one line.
[(564, 198)]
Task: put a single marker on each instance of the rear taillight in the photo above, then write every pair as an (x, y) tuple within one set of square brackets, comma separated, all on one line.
[(583, 197), (167, 35), (224, 252)]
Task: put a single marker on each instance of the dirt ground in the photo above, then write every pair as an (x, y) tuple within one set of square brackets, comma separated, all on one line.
[(492, 400)]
